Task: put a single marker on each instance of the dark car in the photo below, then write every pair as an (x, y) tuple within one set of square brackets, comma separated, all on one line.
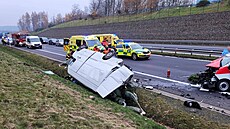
[(52, 41), (60, 42), (44, 40)]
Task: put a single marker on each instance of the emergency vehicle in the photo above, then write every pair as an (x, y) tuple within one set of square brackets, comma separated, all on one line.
[(111, 38), (19, 39), (75, 42), (133, 50)]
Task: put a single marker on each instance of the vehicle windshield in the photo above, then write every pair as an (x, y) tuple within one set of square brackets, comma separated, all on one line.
[(45, 39), (23, 36), (225, 60), (136, 46), (120, 41), (54, 40), (34, 40), (91, 43)]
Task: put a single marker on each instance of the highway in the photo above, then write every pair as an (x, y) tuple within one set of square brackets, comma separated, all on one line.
[(195, 47), (180, 68), (155, 70)]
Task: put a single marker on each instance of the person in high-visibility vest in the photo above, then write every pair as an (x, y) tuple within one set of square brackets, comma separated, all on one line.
[(96, 49), (105, 43), (69, 54)]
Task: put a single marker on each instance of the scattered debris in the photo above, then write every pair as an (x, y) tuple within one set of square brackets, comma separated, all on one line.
[(205, 90), (226, 94), (148, 87), (192, 104), (91, 97), (210, 107), (48, 72)]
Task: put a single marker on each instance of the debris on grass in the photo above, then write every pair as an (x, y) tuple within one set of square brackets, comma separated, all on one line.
[(48, 72)]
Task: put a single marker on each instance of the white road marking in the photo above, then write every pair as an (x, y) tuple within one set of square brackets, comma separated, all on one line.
[(181, 58), (166, 79), (51, 52)]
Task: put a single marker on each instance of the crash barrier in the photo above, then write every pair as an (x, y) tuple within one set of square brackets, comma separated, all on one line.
[(184, 42), (212, 53)]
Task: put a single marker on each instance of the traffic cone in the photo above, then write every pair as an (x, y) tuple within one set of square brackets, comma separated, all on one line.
[(168, 73)]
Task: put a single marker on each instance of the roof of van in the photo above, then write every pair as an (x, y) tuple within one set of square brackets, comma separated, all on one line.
[(32, 37)]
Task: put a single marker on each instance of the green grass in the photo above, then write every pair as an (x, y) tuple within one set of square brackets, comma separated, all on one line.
[(171, 12), (159, 108)]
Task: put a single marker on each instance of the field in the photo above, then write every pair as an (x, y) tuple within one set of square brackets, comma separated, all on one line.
[(31, 99)]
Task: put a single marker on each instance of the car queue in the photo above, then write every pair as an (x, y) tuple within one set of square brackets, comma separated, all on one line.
[(103, 43)]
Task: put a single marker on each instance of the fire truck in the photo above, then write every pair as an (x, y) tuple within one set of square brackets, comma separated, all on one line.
[(19, 39)]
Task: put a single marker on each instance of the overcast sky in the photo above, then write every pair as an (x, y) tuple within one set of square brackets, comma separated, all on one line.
[(12, 10)]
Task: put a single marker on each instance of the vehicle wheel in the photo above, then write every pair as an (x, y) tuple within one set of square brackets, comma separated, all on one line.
[(223, 85), (109, 55), (134, 56), (40, 47)]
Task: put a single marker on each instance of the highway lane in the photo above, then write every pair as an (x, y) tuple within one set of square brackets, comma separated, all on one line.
[(180, 68), (209, 48)]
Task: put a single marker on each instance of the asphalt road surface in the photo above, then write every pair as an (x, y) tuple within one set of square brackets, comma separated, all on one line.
[(208, 48), (155, 70), (180, 68)]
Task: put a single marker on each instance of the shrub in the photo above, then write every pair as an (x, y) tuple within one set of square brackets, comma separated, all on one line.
[(203, 3)]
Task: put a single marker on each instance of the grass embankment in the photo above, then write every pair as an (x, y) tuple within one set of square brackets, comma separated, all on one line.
[(167, 12), (159, 108)]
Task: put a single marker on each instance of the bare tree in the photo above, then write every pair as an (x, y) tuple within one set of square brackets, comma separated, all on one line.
[(59, 19), (28, 21)]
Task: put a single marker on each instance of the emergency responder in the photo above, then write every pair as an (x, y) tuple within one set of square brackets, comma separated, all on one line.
[(105, 43), (96, 49), (226, 51), (3, 40), (69, 54), (106, 50)]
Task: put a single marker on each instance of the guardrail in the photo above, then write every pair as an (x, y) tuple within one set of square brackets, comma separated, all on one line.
[(209, 53), (183, 42)]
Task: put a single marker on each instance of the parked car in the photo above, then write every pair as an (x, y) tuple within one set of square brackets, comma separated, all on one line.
[(33, 42), (44, 40), (52, 41), (60, 42)]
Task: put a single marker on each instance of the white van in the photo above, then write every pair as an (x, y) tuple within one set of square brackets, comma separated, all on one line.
[(33, 42)]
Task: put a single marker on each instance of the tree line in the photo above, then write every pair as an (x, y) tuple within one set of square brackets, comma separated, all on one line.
[(33, 21), (97, 8)]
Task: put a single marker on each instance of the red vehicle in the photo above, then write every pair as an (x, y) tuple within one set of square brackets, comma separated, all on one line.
[(217, 75), (19, 39)]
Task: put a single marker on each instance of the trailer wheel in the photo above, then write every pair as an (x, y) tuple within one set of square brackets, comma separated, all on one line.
[(223, 85)]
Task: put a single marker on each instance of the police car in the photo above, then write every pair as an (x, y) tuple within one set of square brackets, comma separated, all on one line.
[(133, 50)]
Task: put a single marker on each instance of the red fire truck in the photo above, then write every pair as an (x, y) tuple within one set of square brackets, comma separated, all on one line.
[(19, 39)]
